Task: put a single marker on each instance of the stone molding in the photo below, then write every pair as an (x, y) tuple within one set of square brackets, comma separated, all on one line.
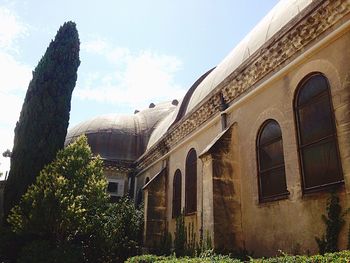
[(310, 24), (118, 166)]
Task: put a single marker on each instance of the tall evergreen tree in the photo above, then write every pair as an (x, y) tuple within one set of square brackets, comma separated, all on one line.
[(43, 122)]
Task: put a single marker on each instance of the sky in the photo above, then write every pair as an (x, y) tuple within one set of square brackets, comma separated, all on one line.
[(132, 52)]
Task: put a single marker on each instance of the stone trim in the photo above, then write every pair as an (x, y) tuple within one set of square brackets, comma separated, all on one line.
[(310, 24), (117, 166)]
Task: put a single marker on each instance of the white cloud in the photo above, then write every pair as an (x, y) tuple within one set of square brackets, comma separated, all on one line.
[(95, 46), (137, 78), (14, 79), (10, 30), (14, 74)]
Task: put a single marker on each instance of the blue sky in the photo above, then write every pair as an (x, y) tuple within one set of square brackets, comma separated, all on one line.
[(132, 52)]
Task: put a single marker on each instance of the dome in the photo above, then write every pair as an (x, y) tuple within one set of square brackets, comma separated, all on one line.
[(274, 21), (121, 137), (171, 119)]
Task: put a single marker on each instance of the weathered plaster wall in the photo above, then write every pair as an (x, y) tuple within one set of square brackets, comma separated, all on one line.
[(293, 223), (264, 228), (155, 210), (227, 193), (177, 160), (140, 180)]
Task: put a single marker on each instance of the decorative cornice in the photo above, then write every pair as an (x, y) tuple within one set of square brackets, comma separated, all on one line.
[(310, 24), (118, 166)]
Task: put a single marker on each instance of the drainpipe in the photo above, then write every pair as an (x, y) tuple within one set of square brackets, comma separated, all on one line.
[(202, 219)]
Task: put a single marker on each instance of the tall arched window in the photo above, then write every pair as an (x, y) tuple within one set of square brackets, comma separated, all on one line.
[(191, 182), (317, 138), (177, 194), (271, 170)]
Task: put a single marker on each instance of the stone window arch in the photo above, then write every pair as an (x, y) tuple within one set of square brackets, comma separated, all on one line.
[(191, 182), (271, 168), (317, 138), (177, 182)]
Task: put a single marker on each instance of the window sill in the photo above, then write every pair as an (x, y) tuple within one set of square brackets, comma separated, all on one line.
[(274, 198), (323, 188), (191, 213)]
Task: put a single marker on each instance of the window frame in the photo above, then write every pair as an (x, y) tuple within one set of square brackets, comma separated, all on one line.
[(190, 193), (177, 189), (333, 137), (260, 171)]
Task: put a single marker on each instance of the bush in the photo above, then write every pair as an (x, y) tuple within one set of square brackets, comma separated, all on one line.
[(341, 257), (66, 215), (334, 221)]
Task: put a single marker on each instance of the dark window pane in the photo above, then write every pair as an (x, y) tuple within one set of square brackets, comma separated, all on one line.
[(272, 179), (177, 194), (315, 121), (317, 136), (312, 88), (270, 131), (271, 155), (112, 187), (320, 164), (273, 183), (191, 182)]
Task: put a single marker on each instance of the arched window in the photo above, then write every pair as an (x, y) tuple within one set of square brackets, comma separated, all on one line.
[(271, 170), (177, 194), (317, 138), (191, 182)]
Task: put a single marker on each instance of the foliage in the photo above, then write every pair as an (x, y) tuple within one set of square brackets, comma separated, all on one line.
[(7, 153), (334, 221), (67, 212), (164, 248), (185, 243), (39, 251), (192, 247), (180, 236), (123, 228), (42, 126), (340, 257), (207, 244), (348, 245)]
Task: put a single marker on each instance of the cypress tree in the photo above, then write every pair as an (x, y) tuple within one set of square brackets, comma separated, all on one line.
[(43, 122)]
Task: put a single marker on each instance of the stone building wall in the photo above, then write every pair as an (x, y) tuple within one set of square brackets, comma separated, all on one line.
[(155, 210), (228, 205), (292, 224), (177, 160)]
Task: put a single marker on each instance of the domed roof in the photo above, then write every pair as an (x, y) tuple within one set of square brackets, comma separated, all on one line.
[(170, 120), (121, 137), (275, 20)]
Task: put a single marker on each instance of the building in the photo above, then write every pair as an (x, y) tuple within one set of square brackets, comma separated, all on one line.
[(253, 149)]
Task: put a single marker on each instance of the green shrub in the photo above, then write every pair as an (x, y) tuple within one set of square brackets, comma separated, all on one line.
[(40, 251), (339, 257), (180, 236), (67, 212), (334, 220), (164, 248)]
